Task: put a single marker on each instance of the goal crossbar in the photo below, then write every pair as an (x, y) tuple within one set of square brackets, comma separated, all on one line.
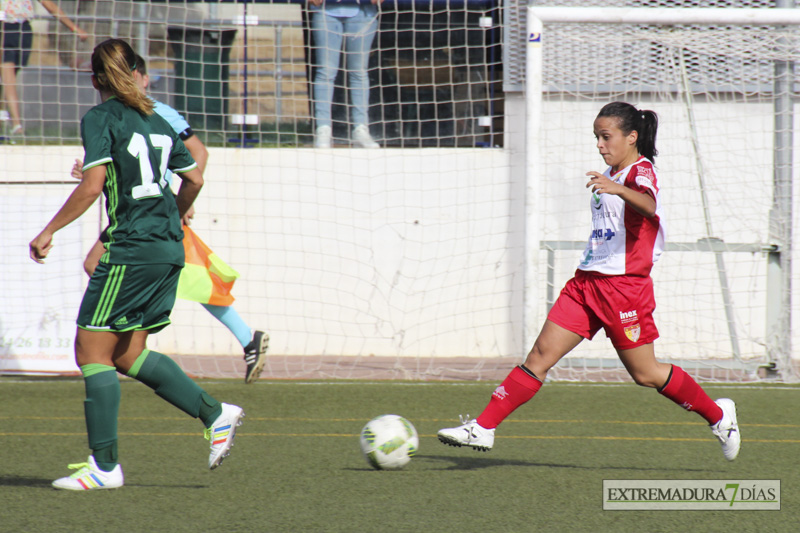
[(667, 16)]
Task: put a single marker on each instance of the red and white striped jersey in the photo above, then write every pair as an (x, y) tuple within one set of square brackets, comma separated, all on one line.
[(622, 240)]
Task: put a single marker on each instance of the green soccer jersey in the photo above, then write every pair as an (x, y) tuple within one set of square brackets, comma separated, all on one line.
[(143, 222)]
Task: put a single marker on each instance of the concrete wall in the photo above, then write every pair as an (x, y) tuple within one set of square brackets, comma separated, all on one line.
[(341, 252), (418, 252)]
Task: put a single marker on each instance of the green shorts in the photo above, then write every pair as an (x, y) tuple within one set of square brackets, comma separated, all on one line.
[(129, 297)]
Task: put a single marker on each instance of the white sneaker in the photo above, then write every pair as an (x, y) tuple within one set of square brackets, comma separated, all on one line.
[(727, 429), (362, 138), (469, 433), (222, 432), (322, 137), (90, 477)]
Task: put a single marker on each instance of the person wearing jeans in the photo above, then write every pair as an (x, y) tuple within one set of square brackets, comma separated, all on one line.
[(354, 24)]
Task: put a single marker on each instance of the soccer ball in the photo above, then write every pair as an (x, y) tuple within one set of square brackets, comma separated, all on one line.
[(389, 442)]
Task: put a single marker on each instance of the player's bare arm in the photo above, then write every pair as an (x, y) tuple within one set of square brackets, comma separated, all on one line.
[(191, 183), (642, 203), (198, 151)]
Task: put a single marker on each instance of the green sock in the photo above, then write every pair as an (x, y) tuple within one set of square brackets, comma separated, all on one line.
[(101, 409), (169, 381)]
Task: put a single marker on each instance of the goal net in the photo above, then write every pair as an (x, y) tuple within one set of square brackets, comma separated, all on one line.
[(723, 84), (397, 262)]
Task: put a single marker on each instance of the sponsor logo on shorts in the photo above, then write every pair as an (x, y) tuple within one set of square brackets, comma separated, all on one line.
[(630, 323), (633, 332), (121, 322)]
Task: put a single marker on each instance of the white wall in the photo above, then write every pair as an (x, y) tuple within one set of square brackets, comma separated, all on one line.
[(413, 252), (341, 252)]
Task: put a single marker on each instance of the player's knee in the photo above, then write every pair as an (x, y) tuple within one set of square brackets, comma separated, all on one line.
[(538, 361), (645, 379)]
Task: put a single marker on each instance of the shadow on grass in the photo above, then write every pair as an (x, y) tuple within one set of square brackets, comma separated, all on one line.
[(475, 463), (18, 481), (161, 486)]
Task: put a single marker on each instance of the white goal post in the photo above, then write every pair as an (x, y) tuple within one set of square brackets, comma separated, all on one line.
[(722, 82)]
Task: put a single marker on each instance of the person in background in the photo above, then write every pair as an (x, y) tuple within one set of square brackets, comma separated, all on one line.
[(354, 23), (612, 289), (132, 291), (254, 342), (16, 41)]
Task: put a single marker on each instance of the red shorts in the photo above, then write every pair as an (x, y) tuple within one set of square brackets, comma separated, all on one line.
[(622, 305)]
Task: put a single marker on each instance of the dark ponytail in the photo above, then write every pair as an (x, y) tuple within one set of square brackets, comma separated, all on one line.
[(645, 122)]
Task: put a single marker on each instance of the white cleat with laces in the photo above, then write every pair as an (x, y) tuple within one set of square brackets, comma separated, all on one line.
[(469, 433), (727, 429), (90, 477)]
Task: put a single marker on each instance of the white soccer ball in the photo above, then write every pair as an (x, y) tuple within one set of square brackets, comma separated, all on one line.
[(389, 442)]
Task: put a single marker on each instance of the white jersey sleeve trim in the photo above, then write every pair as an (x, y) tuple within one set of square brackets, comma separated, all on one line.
[(185, 169), (99, 162)]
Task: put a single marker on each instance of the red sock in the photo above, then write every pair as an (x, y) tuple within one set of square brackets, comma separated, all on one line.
[(518, 387), (683, 390)]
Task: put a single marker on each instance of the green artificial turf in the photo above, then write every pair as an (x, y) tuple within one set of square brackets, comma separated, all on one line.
[(297, 465)]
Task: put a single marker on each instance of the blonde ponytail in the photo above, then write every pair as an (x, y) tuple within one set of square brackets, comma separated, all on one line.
[(113, 62)]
